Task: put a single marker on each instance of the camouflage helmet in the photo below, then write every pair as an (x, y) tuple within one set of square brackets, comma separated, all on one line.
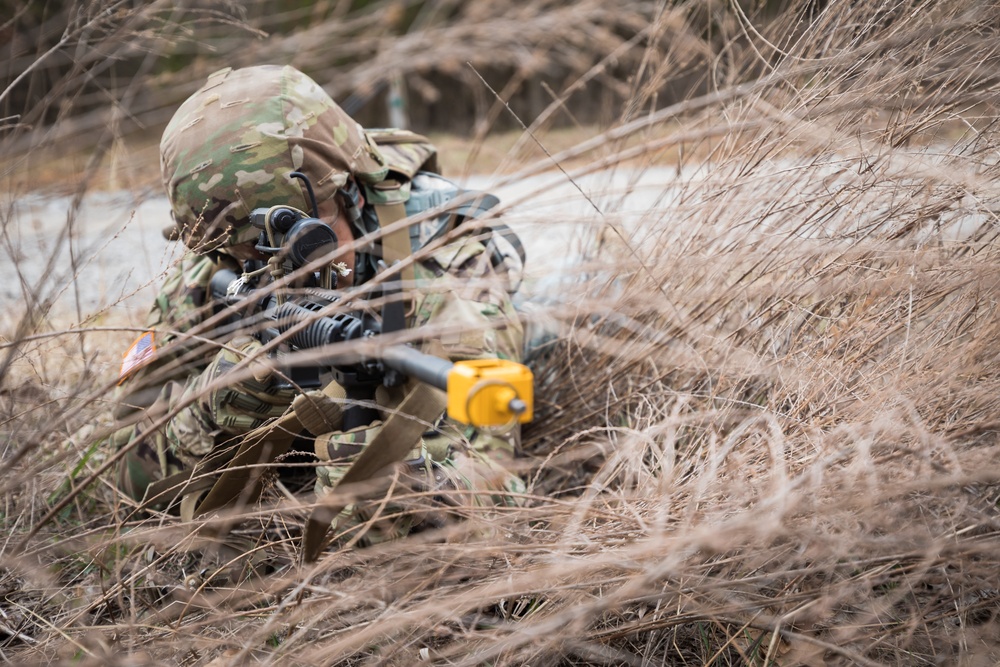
[(230, 147)]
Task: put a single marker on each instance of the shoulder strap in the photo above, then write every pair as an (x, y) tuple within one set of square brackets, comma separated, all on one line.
[(396, 243), (406, 154), (397, 437)]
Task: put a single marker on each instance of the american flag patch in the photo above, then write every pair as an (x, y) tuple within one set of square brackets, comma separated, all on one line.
[(143, 351)]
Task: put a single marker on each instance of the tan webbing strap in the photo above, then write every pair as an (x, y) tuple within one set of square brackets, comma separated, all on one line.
[(168, 489), (189, 503), (400, 433), (395, 245), (186, 482), (241, 479)]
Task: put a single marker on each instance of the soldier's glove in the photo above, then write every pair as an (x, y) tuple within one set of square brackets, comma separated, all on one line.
[(320, 412), (245, 404)]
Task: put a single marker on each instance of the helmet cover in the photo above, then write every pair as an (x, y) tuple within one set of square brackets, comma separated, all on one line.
[(231, 146)]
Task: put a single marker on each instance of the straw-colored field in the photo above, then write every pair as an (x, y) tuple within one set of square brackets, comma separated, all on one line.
[(767, 432)]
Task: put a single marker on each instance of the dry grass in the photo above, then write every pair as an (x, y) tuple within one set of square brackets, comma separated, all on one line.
[(767, 434)]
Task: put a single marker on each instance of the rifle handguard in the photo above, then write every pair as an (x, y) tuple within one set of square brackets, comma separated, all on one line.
[(485, 393)]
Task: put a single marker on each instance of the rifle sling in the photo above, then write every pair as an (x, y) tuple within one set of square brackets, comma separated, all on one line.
[(399, 434), (241, 479), (395, 245), (187, 482), (168, 489)]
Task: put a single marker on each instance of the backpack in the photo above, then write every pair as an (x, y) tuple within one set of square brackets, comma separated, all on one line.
[(414, 185)]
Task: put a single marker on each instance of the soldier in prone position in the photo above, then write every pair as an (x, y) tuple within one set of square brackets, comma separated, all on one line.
[(230, 149)]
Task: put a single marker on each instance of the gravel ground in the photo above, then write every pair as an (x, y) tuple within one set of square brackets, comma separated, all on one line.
[(109, 261), (104, 260)]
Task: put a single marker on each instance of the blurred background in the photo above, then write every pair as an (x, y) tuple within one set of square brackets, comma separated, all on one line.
[(124, 66)]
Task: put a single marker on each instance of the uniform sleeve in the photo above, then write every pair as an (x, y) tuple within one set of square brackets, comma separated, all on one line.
[(183, 380), (178, 308), (464, 306), (206, 413), (181, 305), (465, 309)]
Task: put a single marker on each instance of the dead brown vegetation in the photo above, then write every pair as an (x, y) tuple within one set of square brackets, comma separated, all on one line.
[(767, 435)]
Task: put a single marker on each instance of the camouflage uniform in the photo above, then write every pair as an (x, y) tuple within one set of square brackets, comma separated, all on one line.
[(230, 148), (178, 377), (226, 152)]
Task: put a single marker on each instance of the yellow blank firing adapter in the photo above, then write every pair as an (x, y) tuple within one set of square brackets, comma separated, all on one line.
[(490, 392)]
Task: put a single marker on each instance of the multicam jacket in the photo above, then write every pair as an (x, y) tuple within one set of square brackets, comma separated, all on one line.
[(459, 295)]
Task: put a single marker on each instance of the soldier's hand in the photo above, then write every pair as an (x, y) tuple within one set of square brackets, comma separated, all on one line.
[(244, 404)]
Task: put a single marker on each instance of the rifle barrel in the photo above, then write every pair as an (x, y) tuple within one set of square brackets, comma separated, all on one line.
[(414, 363)]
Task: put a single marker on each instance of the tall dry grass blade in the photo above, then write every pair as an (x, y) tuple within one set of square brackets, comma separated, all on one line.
[(766, 431)]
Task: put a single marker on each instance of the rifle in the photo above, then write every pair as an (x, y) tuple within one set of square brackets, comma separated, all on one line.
[(481, 392), (484, 393)]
